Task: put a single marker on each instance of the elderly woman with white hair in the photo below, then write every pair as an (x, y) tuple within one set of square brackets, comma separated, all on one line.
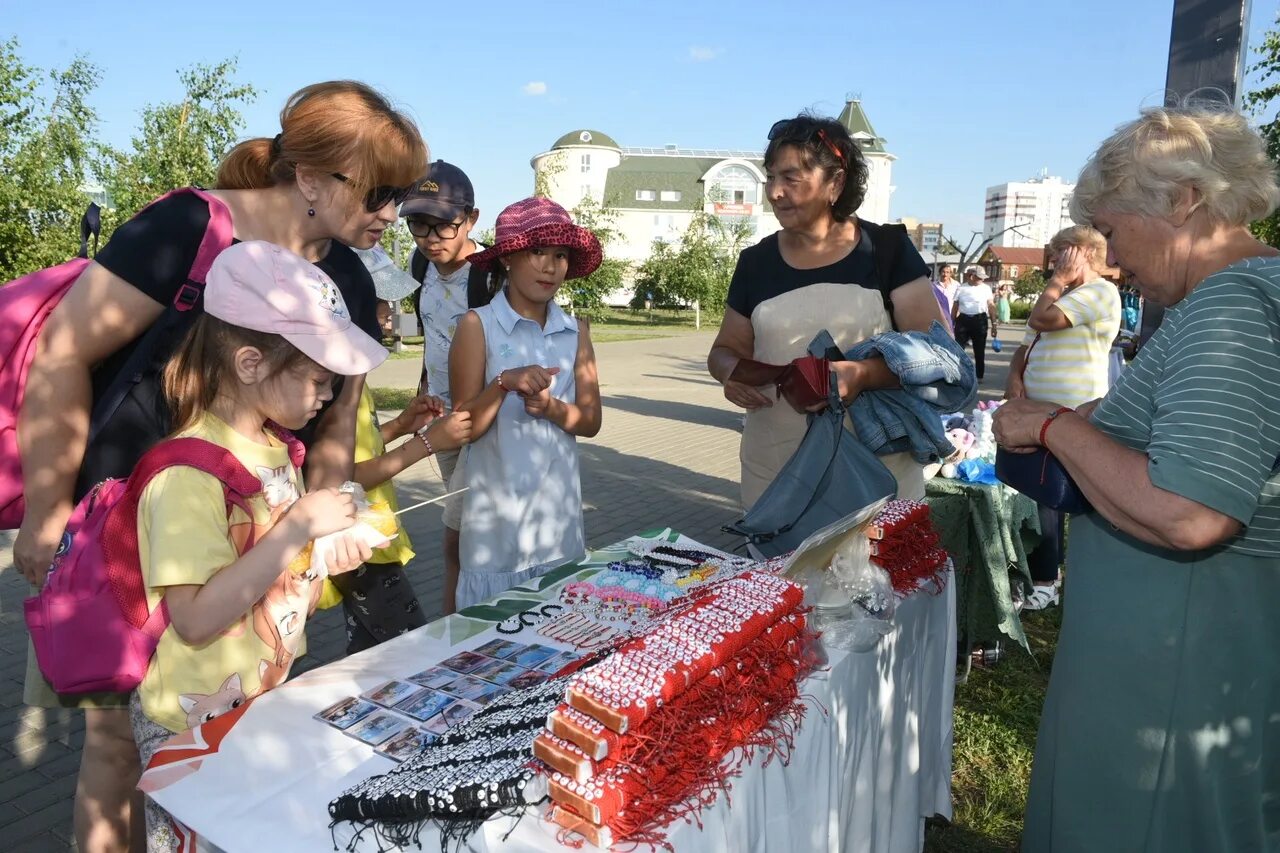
[(1161, 728), (1064, 359)]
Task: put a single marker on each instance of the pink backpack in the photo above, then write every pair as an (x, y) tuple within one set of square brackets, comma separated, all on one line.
[(25, 305), (90, 624)]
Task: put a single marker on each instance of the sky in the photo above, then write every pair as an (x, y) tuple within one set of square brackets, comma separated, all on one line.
[(966, 95)]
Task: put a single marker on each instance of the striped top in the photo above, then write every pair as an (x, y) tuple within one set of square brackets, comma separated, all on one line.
[(1202, 400), (1069, 366)]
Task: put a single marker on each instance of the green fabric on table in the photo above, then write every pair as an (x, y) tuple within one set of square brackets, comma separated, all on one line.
[(988, 531)]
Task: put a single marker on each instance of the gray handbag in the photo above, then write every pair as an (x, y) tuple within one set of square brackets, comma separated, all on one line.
[(830, 476)]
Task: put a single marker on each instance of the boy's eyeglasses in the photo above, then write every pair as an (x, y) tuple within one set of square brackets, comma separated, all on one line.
[(379, 197), (443, 230)]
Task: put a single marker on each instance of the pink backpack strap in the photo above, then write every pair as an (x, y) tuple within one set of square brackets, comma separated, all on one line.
[(218, 236), (297, 450), (120, 528)]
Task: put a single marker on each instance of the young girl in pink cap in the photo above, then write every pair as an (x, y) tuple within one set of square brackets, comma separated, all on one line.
[(274, 333), (526, 372)]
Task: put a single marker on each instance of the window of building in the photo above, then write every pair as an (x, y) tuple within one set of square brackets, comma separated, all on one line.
[(1013, 272), (664, 226), (747, 226), (735, 185), (646, 195), (586, 191), (670, 195), (586, 162)]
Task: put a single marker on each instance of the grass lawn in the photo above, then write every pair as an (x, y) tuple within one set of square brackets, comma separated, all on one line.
[(616, 324), (996, 715), (625, 324), (391, 399)]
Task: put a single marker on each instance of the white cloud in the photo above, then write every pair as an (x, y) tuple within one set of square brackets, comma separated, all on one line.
[(536, 87), (704, 54)]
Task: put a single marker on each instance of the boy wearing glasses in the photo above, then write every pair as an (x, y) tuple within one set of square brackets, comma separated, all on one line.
[(440, 212)]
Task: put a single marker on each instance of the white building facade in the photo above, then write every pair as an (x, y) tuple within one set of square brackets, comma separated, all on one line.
[(1035, 209), (654, 192)]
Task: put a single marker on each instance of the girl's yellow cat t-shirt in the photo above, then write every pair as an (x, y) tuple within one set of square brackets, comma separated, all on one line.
[(186, 537)]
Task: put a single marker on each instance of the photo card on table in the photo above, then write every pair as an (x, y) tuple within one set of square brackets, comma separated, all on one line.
[(499, 648), (532, 656), (466, 662), (379, 727), (391, 693), (459, 711), (435, 677), (407, 744), (345, 713), (494, 670), (528, 678), (467, 687), (425, 705), (559, 661)]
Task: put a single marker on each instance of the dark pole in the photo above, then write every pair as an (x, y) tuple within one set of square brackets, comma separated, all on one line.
[(1207, 50), (1207, 47)]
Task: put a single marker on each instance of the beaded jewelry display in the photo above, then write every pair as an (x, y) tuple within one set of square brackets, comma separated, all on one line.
[(529, 619), (623, 690), (682, 556), (905, 545), (642, 739), (575, 629), (476, 770)]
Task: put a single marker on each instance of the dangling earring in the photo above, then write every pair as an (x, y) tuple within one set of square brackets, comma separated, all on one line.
[(311, 211)]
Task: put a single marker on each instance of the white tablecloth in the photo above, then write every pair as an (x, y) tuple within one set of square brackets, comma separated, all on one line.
[(871, 761)]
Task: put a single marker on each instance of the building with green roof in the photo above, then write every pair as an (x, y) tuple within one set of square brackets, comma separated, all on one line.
[(655, 191)]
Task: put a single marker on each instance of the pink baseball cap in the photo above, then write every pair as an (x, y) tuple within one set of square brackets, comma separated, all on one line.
[(261, 286)]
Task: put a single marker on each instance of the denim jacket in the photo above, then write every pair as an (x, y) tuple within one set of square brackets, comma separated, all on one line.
[(937, 378)]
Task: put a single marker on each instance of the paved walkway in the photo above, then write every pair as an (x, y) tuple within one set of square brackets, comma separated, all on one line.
[(667, 455)]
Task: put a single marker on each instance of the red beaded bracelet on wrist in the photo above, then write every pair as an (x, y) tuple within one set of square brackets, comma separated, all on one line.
[(1044, 428)]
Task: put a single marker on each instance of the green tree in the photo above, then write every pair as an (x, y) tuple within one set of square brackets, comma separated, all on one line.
[(586, 295), (946, 246), (1264, 105), (1029, 285), (698, 268), (179, 144), (398, 243), (656, 278), (544, 176), (46, 151)]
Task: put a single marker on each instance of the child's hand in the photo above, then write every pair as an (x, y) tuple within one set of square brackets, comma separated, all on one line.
[(348, 553), (529, 380), (450, 432), (322, 512), (420, 412), (536, 404)]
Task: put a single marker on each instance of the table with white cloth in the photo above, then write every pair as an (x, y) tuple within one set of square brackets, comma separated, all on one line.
[(870, 763)]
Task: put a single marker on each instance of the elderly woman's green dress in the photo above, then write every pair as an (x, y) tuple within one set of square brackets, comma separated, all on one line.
[(1161, 729)]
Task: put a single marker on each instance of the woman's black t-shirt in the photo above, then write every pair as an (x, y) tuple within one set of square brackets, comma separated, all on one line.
[(762, 274), (154, 252)]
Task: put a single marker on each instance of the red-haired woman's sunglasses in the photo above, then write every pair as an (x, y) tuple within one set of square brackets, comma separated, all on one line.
[(379, 197)]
